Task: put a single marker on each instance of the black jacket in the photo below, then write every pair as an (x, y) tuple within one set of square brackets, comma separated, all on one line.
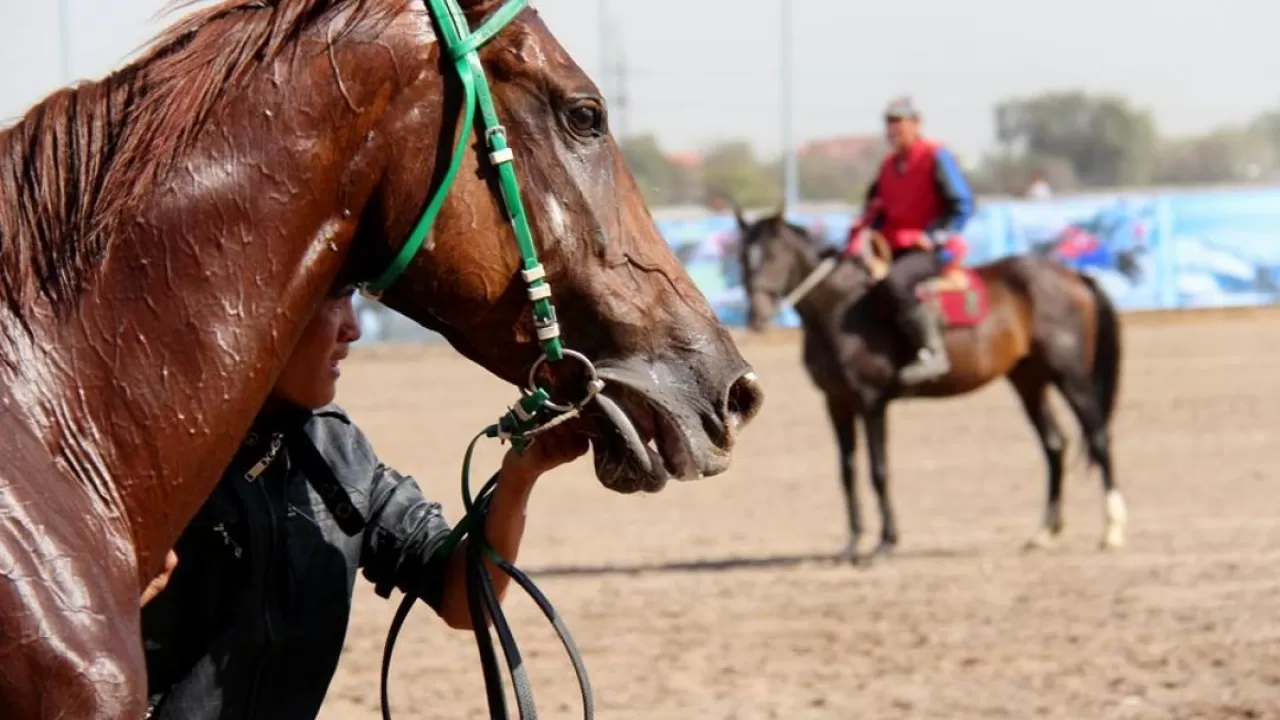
[(252, 622)]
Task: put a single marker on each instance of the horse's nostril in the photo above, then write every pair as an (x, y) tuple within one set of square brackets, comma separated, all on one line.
[(744, 399)]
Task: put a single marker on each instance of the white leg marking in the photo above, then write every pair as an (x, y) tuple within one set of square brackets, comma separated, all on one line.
[(1117, 518)]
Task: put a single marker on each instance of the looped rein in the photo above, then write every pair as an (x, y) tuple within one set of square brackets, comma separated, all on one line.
[(533, 414), (877, 255)]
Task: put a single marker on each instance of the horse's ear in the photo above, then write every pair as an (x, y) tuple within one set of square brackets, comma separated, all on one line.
[(737, 215)]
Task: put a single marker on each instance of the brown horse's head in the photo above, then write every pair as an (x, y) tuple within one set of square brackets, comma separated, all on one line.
[(263, 153), (677, 388)]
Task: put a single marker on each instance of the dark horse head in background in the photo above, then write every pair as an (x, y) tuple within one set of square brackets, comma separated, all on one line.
[(1047, 327), (165, 233)]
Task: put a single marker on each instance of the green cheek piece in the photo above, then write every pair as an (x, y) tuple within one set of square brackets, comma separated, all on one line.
[(534, 413)]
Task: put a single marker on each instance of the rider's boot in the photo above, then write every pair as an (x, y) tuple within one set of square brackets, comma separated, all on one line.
[(925, 333)]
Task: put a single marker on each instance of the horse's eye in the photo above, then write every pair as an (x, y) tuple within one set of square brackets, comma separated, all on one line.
[(586, 118)]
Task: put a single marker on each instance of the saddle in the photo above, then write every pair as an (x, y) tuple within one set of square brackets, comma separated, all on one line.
[(957, 293), (953, 279)]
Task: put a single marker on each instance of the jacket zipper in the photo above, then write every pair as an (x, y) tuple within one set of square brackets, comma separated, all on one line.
[(268, 581)]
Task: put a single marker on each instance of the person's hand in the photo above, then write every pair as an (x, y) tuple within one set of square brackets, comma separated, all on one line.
[(549, 450), (156, 585), (949, 248), (937, 239), (853, 245)]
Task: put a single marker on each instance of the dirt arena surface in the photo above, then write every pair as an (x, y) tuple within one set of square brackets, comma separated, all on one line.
[(714, 600)]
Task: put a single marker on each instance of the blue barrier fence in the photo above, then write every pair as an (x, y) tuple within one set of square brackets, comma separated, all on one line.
[(1157, 250)]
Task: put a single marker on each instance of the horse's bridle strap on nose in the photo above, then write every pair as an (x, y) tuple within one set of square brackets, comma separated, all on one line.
[(820, 273)]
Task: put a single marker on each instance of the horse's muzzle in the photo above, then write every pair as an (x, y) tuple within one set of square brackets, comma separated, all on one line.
[(658, 420)]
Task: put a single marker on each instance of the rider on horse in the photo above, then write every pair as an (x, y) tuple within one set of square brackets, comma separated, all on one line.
[(919, 201)]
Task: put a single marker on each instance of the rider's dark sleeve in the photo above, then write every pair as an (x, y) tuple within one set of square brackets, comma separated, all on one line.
[(954, 189), (404, 531)]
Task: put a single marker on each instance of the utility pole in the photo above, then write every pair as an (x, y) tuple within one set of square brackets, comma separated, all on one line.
[(621, 101), (790, 180), (602, 37), (613, 70), (64, 41)]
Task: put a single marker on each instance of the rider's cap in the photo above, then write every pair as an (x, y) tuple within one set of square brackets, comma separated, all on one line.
[(901, 108)]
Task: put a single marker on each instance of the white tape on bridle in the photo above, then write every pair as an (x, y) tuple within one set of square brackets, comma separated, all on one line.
[(820, 273)]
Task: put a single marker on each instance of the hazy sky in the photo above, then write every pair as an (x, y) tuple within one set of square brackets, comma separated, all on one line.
[(704, 70)]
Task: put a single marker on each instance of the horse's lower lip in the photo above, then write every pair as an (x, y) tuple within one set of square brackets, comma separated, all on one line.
[(633, 459)]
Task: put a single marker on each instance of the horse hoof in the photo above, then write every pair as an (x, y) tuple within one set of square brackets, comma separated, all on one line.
[(848, 556), (1042, 540), (884, 550), (1112, 542)]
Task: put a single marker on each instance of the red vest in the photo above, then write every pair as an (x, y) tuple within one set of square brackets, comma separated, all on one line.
[(908, 194)]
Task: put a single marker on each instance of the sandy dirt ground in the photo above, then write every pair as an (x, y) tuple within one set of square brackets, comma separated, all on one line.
[(718, 599)]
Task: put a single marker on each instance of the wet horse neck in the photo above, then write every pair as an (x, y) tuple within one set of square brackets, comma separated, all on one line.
[(145, 391)]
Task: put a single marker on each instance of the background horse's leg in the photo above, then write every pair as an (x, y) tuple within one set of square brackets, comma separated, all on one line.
[(844, 423), (1030, 380), (1090, 387), (876, 422), (1079, 394)]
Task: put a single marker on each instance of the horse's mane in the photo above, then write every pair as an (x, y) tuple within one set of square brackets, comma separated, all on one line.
[(79, 159), (778, 220)]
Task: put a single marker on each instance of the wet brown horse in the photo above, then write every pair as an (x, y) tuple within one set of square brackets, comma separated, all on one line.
[(1047, 327), (165, 234)]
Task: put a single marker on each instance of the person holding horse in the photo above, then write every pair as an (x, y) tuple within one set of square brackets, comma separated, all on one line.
[(919, 201), (249, 617)]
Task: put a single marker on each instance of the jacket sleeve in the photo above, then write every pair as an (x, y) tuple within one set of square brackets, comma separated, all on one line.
[(954, 189), (403, 533), (402, 528)]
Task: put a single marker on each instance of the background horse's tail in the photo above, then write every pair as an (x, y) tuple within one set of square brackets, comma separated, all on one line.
[(1106, 351)]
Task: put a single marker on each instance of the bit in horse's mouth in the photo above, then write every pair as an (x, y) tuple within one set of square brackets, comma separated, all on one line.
[(640, 444), (652, 441)]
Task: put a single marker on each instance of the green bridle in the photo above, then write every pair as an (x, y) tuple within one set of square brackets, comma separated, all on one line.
[(462, 45), (535, 412)]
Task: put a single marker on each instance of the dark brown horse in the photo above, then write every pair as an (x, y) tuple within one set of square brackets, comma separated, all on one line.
[(1032, 321), (166, 232)]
